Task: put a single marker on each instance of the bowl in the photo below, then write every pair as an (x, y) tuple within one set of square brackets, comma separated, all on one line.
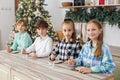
[(66, 4)]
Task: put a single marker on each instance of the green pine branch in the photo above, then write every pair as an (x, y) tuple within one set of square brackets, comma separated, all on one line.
[(110, 15)]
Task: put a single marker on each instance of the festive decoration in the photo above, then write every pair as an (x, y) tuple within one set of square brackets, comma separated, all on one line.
[(37, 2), (11, 38), (31, 12), (101, 2), (110, 15), (37, 13)]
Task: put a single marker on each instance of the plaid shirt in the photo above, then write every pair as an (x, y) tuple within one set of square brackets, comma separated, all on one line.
[(86, 58), (67, 49)]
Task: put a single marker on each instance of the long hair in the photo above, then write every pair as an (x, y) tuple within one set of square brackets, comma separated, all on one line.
[(98, 50), (69, 21)]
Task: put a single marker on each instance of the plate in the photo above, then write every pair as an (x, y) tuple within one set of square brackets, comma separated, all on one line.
[(15, 52), (58, 62)]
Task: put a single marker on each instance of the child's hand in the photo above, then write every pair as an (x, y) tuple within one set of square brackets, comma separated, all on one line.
[(84, 70), (8, 49), (70, 62), (23, 51), (33, 55), (52, 57)]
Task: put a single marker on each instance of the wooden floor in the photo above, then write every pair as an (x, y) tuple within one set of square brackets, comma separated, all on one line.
[(116, 56)]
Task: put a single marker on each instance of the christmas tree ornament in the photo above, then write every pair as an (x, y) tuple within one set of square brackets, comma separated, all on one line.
[(29, 18), (37, 13), (21, 6), (27, 1), (37, 2)]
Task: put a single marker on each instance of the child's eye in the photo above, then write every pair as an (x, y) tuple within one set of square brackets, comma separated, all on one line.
[(93, 29), (18, 25), (88, 29), (69, 29), (64, 30)]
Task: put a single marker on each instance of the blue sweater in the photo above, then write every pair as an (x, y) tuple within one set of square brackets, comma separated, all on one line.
[(103, 64), (21, 41)]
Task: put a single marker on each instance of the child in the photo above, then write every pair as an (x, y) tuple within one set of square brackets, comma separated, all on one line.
[(22, 39), (68, 46), (95, 55), (42, 45)]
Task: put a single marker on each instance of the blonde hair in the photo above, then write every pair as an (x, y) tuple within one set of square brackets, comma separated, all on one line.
[(69, 21), (21, 21), (98, 50)]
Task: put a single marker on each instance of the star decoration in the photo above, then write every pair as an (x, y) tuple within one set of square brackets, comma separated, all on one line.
[(37, 13)]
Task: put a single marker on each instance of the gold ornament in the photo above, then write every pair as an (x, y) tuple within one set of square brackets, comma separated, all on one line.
[(37, 2), (29, 18)]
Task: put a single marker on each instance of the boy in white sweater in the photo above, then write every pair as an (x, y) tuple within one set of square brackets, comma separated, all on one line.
[(42, 45)]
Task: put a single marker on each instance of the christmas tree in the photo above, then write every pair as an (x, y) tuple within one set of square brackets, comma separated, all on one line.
[(31, 11)]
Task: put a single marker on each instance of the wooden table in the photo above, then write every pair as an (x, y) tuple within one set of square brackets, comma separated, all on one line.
[(40, 69)]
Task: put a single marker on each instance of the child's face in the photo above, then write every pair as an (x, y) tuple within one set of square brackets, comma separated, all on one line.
[(21, 27), (67, 30), (93, 31), (42, 31)]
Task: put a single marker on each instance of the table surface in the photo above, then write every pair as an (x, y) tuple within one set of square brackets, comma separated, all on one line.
[(41, 68)]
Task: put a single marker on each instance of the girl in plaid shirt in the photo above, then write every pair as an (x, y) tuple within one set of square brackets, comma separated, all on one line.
[(68, 46), (95, 55)]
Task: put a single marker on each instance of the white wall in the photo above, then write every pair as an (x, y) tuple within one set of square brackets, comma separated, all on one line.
[(112, 35), (56, 12), (6, 20)]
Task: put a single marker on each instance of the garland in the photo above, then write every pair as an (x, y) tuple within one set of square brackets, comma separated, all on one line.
[(103, 14)]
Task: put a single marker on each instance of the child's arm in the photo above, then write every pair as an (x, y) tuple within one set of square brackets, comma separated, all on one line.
[(23, 51), (32, 47), (83, 70), (107, 64), (55, 52), (8, 49), (79, 59), (52, 57), (14, 45), (77, 49), (26, 40), (70, 62), (33, 55)]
